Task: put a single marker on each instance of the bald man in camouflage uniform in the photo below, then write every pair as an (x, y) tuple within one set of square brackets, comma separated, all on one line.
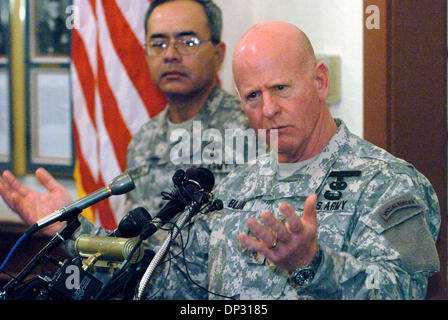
[(340, 217)]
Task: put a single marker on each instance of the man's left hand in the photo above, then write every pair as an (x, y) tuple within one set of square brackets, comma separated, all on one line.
[(288, 245)]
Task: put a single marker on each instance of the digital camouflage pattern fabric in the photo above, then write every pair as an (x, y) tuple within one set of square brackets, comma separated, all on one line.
[(378, 222)]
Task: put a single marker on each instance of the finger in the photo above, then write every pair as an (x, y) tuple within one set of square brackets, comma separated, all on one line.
[(14, 184), (310, 212), (10, 196), (293, 220), (249, 242), (276, 226), (253, 244), (261, 232), (47, 180)]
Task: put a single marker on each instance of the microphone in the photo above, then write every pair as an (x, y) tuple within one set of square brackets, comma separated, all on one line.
[(108, 251), (119, 185), (132, 223), (188, 183), (139, 222), (215, 206)]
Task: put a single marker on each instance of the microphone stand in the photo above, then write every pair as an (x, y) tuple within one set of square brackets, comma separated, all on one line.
[(63, 234)]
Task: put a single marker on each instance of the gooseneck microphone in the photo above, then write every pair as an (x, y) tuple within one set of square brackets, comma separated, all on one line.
[(119, 185), (189, 184), (192, 189)]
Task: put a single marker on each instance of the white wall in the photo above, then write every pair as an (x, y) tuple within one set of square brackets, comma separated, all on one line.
[(333, 26)]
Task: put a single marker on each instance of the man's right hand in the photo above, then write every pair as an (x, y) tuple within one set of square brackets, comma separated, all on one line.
[(31, 205)]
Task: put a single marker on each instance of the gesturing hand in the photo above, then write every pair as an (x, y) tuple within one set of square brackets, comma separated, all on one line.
[(290, 245), (31, 205)]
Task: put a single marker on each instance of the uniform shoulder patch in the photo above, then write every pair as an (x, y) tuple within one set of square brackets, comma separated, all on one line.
[(402, 202)]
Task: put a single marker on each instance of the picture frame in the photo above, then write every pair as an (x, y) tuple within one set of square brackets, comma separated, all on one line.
[(48, 35), (5, 117), (5, 88), (50, 134), (4, 31)]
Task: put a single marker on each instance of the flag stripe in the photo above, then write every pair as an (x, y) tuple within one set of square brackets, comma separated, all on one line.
[(87, 179), (131, 105), (84, 70), (131, 53), (113, 120), (87, 142), (137, 25), (113, 95)]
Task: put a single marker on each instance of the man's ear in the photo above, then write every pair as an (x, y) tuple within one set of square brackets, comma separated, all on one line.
[(220, 53), (322, 80)]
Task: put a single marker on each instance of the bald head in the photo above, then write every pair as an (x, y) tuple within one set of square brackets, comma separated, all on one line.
[(277, 39), (282, 88)]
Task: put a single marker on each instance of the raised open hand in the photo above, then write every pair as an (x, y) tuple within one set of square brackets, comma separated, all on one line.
[(32, 205), (288, 245)]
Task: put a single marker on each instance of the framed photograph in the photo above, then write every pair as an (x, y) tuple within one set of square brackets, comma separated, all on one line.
[(5, 90), (4, 31), (5, 117), (50, 137), (48, 34)]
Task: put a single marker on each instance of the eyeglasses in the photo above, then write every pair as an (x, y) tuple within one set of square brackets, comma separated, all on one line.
[(186, 45)]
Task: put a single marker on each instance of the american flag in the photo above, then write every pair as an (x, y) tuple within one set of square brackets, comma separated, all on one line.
[(112, 95)]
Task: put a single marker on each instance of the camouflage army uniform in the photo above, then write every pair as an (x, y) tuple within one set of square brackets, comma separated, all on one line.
[(378, 222)]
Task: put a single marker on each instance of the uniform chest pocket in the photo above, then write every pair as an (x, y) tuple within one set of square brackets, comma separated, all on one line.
[(237, 271), (334, 227)]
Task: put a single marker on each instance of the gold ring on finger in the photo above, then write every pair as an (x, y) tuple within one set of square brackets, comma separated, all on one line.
[(275, 242)]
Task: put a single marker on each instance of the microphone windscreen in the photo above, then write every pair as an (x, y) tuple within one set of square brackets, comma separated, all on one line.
[(131, 225), (202, 176)]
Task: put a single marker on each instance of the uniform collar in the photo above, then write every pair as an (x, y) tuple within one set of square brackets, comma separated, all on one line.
[(204, 116), (307, 180)]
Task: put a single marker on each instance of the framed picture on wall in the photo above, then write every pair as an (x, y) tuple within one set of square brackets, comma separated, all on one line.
[(50, 127), (49, 36), (5, 116), (4, 31), (5, 104)]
